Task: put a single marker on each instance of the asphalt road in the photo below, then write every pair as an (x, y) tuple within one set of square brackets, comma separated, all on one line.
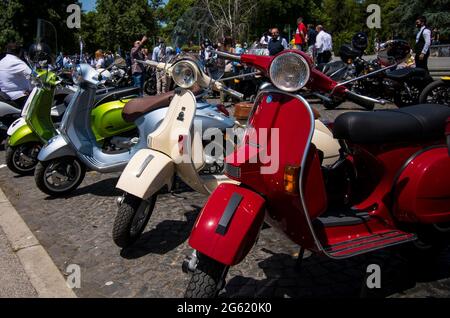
[(77, 230)]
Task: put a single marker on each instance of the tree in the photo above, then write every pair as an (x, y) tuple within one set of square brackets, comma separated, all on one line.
[(18, 20), (120, 23)]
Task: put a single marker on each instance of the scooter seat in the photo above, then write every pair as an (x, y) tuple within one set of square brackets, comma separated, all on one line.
[(404, 73), (409, 124), (141, 106)]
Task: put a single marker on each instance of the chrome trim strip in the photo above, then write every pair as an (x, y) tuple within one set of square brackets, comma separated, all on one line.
[(144, 165)]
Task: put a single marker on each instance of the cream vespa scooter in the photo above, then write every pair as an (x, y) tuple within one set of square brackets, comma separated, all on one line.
[(176, 148)]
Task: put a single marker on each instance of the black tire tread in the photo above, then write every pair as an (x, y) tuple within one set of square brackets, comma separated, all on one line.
[(9, 157), (206, 279)]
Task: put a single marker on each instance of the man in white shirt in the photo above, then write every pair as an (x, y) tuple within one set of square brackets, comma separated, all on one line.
[(324, 45), (423, 43), (15, 76)]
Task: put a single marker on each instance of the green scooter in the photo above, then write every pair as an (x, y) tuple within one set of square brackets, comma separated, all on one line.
[(28, 135)]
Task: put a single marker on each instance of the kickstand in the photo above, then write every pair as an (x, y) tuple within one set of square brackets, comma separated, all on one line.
[(301, 254)]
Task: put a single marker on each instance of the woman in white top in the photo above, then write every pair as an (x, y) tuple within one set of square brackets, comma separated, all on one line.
[(99, 59)]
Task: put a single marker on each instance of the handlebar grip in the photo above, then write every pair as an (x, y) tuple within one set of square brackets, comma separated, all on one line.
[(360, 100), (232, 92)]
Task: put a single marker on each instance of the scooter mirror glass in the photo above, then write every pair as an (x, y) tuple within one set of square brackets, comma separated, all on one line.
[(215, 67), (42, 52)]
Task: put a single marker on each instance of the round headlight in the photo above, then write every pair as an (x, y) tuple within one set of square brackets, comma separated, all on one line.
[(289, 72), (184, 74)]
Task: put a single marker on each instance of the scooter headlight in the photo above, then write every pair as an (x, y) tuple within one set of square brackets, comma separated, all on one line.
[(184, 74), (289, 72)]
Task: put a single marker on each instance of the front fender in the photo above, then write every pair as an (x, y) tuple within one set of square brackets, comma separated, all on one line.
[(23, 135), (57, 147), (147, 173), (229, 224)]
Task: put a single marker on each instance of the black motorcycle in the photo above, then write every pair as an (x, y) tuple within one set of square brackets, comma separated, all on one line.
[(380, 78), (437, 92)]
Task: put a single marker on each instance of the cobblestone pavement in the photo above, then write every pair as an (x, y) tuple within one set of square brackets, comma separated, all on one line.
[(77, 230)]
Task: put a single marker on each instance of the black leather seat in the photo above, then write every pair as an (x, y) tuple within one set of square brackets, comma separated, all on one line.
[(404, 73), (415, 123)]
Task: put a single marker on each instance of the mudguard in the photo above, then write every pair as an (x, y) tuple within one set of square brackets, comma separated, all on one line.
[(23, 135), (16, 125), (56, 147), (147, 173), (229, 224), (422, 192)]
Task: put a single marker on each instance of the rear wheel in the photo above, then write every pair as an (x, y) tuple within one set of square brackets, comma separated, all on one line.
[(208, 279), (408, 97), (60, 176), (131, 219), (437, 92), (23, 159)]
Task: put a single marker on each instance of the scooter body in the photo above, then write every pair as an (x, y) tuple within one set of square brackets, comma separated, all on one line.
[(78, 141), (393, 184)]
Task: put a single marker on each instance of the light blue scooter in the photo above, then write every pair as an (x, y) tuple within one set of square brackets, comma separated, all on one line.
[(64, 160)]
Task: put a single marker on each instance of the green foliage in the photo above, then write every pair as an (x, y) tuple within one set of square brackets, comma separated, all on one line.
[(18, 20)]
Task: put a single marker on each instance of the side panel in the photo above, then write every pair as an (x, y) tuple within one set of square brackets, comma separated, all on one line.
[(147, 173), (6, 109), (57, 147), (423, 189), (23, 135), (39, 114), (107, 120), (229, 224)]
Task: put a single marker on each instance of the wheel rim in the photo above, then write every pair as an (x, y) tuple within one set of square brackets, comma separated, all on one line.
[(25, 157), (139, 220), (409, 98), (60, 176), (439, 95)]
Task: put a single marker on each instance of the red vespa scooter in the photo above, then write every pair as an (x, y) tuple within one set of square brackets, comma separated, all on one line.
[(391, 185)]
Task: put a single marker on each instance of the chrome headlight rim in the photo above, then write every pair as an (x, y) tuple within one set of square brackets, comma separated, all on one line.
[(179, 75), (301, 83)]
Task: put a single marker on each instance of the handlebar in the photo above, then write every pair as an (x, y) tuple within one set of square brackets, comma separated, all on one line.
[(227, 55), (364, 101), (232, 92)]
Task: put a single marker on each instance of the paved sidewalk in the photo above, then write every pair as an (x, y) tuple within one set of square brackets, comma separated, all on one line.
[(14, 282)]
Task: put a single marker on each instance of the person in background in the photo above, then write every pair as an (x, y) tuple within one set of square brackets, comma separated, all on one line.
[(264, 41), (137, 69), (435, 38), (99, 59), (277, 43), (312, 35), (15, 75), (324, 45), (423, 43), (160, 55), (59, 61), (300, 35)]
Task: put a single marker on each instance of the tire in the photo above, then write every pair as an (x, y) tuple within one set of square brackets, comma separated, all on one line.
[(125, 233), (430, 244), (19, 165), (70, 166), (207, 280), (427, 98), (150, 86)]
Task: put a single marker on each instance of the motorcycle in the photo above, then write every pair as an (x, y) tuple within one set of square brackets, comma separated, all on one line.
[(382, 78), (391, 185), (64, 159), (437, 92)]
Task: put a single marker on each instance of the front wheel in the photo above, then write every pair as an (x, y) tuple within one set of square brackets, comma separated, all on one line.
[(60, 176), (208, 279), (408, 96), (437, 92), (131, 219), (23, 159)]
